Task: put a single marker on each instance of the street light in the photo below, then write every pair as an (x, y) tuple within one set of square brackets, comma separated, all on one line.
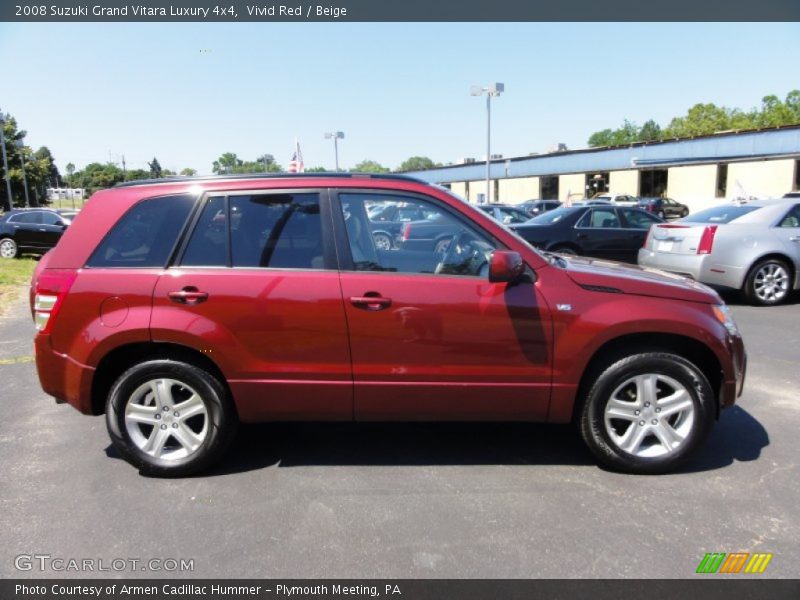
[(492, 90), (21, 146), (336, 136), (7, 206)]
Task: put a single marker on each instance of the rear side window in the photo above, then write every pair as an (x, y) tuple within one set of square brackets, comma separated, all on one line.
[(721, 214), (27, 217), (145, 235)]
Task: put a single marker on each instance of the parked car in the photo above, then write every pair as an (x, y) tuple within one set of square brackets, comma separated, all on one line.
[(386, 221), (753, 247), (181, 307), (504, 213), (618, 199), (599, 231), (534, 208), (664, 208), (792, 195), (32, 231)]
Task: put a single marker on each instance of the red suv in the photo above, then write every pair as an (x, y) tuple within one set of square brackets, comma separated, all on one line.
[(181, 308)]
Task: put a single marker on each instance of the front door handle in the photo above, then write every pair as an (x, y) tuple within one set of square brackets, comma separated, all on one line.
[(188, 295), (371, 301)]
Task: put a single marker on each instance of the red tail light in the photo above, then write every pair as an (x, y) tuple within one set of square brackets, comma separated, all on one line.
[(406, 231), (707, 240), (52, 286)]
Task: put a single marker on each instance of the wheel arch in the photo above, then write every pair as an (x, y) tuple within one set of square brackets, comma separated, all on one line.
[(687, 347), (120, 359), (774, 256)]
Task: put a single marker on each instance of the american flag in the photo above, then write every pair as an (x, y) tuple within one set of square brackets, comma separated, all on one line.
[(296, 164)]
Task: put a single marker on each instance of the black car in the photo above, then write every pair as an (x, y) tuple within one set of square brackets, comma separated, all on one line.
[(386, 221), (538, 207), (609, 232), (34, 231), (664, 208)]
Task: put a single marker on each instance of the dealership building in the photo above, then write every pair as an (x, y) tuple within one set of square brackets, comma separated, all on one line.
[(699, 171)]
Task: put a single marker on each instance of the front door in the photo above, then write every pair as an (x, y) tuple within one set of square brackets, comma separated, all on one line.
[(600, 234), (430, 337), (256, 288)]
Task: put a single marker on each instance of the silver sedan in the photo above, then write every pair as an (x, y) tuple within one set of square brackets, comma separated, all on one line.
[(752, 247)]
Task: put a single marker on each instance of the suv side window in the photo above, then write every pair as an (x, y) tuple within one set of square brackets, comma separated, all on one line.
[(438, 244), (278, 230), (145, 235), (49, 218), (28, 218)]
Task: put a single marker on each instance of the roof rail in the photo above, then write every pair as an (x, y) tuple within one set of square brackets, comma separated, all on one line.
[(323, 175)]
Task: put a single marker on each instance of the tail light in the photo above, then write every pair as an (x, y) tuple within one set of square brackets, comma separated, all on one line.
[(707, 240), (51, 288), (406, 231)]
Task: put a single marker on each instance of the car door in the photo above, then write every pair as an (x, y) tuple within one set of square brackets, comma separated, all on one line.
[(256, 288), (788, 230), (636, 223), (430, 337), (51, 229), (599, 233), (25, 228)]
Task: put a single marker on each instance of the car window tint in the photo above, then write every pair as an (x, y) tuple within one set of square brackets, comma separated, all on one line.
[(512, 215), (282, 231), (554, 216), (145, 235), (721, 214), (637, 219), (27, 218), (437, 243), (792, 219), (208, 245), (600, 218), (49, 218)]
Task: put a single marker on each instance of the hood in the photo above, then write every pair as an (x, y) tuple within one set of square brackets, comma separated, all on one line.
[(631, 279)]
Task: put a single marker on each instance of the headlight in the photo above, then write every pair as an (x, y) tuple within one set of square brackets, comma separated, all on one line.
[(725, 316)]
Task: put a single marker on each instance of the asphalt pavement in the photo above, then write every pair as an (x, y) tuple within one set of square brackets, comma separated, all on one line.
[(399, 500)]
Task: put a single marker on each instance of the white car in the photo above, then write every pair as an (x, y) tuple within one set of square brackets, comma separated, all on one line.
[(753, 247), (618, 199)]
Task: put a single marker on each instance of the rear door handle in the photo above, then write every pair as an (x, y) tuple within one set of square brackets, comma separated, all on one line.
[(188, 295), (371, 301)]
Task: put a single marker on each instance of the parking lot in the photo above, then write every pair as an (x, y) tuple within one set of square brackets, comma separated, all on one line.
[(397, 500)]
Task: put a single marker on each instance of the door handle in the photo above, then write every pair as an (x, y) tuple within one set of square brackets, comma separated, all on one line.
[(371, 301), (43, 229), (188, 295)]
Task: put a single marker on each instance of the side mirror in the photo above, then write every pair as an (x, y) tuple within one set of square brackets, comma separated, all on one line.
[(505, 266)]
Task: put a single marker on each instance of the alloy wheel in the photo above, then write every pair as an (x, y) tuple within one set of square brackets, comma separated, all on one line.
[(8, 248), (771, 283)]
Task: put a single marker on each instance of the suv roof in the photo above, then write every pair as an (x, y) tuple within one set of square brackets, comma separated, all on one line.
[(304, 175)]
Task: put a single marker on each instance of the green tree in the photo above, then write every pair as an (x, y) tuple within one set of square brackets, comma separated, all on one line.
[(369, 166), (650, 132), (97, 176), (226, 163), (417, 163), (70, 172), (317, 170), (188, 172), (156, 171), (137, 174), (601, 138)]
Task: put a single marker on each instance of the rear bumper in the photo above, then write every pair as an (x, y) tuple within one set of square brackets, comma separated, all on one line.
[(700, 267), (62, 377)]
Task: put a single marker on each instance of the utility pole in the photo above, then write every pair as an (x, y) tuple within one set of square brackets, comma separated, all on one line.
[(8, 205), (124, 170)]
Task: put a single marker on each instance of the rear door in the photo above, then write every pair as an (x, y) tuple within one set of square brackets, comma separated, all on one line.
[(431, 338), (256, 287), (25, 227), (51, 229), (788, 230)]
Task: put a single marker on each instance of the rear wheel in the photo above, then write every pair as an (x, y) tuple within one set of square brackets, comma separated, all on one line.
[(8, 248), (169, 418), (647, 413), (382, 241), (768, 282)]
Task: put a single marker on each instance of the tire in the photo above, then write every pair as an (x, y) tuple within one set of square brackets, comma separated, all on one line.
[(382, 241), (611, 430), (565, 250), (9, 248), (134, 432), (768, 283)]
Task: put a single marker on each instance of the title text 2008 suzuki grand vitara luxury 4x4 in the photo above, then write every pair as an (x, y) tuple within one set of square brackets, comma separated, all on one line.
[(180, 308)]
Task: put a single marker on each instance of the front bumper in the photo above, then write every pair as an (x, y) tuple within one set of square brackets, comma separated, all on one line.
[(62, 377)]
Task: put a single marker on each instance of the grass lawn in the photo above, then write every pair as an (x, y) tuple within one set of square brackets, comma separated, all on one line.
[(15, 275)]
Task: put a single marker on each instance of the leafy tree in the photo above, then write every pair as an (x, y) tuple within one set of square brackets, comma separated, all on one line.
[(188, 172), (155, 169), (70, 172), (417, 163), (601, 138), (137, 174), (96, 176), (650, 132), (369, 166), (226, 163), (317, 170)]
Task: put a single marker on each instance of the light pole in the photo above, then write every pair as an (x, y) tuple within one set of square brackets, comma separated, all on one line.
[(492, 90), (21, 146), (7, 206), (336, 135)]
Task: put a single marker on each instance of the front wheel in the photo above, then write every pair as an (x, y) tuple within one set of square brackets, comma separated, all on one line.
[(8, 248), (382, 241), (169, 418), (768, 283), (647, 413)]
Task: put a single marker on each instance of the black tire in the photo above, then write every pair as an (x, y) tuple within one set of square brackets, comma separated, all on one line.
[(749, 287), (592, 416), (221, 417), (9, 248), (565, 250), (382, 241)]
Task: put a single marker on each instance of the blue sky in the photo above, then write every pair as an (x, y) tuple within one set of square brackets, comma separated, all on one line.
[(92, 92)]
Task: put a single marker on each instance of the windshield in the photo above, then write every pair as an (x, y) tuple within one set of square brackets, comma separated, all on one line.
[(721, 214), (554, 216)]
